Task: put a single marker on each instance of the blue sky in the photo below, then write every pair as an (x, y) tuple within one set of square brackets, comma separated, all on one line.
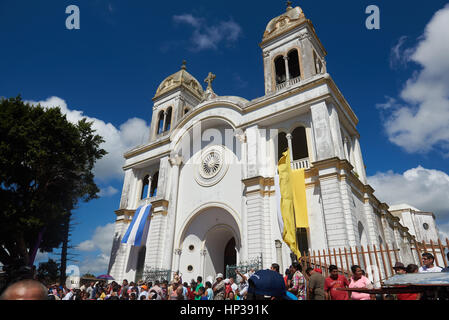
[(395, 79)]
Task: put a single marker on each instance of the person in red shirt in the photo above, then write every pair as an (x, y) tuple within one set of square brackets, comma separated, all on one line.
[(333, 282), (411, 268)]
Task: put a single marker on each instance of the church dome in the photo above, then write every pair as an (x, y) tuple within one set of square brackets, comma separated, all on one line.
[(291, 18), (181, 79)]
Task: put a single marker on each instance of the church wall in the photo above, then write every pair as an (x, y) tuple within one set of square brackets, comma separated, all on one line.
[(333, 212), (422, 234), (317, 223), (118, 252), (353, 212), (228, 191)]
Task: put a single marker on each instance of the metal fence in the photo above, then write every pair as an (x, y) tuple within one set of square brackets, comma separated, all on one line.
[(152, 274), (438, 250), (244, 267), (377, 262)]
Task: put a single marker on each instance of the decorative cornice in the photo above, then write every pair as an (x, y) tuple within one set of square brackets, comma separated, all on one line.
[(260, 185), (160, 206)]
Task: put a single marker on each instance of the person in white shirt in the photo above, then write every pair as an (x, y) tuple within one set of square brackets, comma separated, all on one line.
[(428, 266), (234, 286), (144, 292), (68, 296)]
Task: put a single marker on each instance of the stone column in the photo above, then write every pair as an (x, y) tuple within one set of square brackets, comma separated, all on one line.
[(278, 245), (287, 73), (308, 63), (336, 133), (165, 121), (178, 253), (290, 147), (241, 137), (360, 166), (175, 162), (252, 135), (345, 146), (203, 254), (267, 72), (150, 182), (322, 131)]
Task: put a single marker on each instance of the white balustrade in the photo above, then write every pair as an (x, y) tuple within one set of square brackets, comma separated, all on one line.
[(301, 164)]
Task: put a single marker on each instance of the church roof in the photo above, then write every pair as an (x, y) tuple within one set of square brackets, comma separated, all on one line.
[(181, 79), (402, 206), (291, 18)]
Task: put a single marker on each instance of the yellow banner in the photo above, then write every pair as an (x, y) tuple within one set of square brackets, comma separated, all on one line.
[(287, 206), (298, 183)]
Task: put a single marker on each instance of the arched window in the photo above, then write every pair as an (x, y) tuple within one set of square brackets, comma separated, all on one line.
[(168, 120), (299, 144), (362, 235), (154, 181), (282, 144), (186, 110), (293, 64), (140, 263), (279, 66), (160, 126), (145, 186)]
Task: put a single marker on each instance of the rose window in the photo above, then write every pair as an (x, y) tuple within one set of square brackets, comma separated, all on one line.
[(211, 164)]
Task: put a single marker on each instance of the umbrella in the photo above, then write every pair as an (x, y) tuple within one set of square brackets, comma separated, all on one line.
[(267, 283), (105, 277)]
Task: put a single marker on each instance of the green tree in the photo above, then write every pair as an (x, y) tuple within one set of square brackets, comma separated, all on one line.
[(48, 271), (46, 166)]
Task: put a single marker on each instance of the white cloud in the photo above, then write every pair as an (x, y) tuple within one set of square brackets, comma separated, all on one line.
[(421, 123), (130, 134), (425, 189), (108, 192), (187, 18), (101, 241), (95, 265), (398, 55), (87, 245), (444, 231), (210, 36)]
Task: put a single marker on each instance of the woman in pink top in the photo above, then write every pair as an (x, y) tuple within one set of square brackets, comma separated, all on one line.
[(358, 280)]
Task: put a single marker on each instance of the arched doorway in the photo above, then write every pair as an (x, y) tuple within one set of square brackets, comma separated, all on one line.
[(210, 241), (230, 255)]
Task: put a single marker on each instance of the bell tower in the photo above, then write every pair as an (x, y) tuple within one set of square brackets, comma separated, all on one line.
[(176, 96), (292, 52)]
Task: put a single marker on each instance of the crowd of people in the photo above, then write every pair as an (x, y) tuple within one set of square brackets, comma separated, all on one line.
[(308, 284)]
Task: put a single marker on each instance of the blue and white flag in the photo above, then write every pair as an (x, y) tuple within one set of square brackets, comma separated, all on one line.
[(135, 232)]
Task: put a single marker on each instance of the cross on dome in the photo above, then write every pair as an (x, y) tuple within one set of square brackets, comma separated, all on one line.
[(210, 78)]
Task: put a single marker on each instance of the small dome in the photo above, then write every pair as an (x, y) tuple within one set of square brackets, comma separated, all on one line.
[(292, 17), (181, 79)]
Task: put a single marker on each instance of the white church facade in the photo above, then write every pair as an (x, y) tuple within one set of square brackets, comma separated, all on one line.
[(208, 169)]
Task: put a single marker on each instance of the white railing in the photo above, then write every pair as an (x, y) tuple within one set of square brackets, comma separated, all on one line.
[(301, 164), (281, 86), (288, 83)]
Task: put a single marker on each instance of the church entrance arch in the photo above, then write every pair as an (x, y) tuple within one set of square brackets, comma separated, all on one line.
[(210, 241)]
